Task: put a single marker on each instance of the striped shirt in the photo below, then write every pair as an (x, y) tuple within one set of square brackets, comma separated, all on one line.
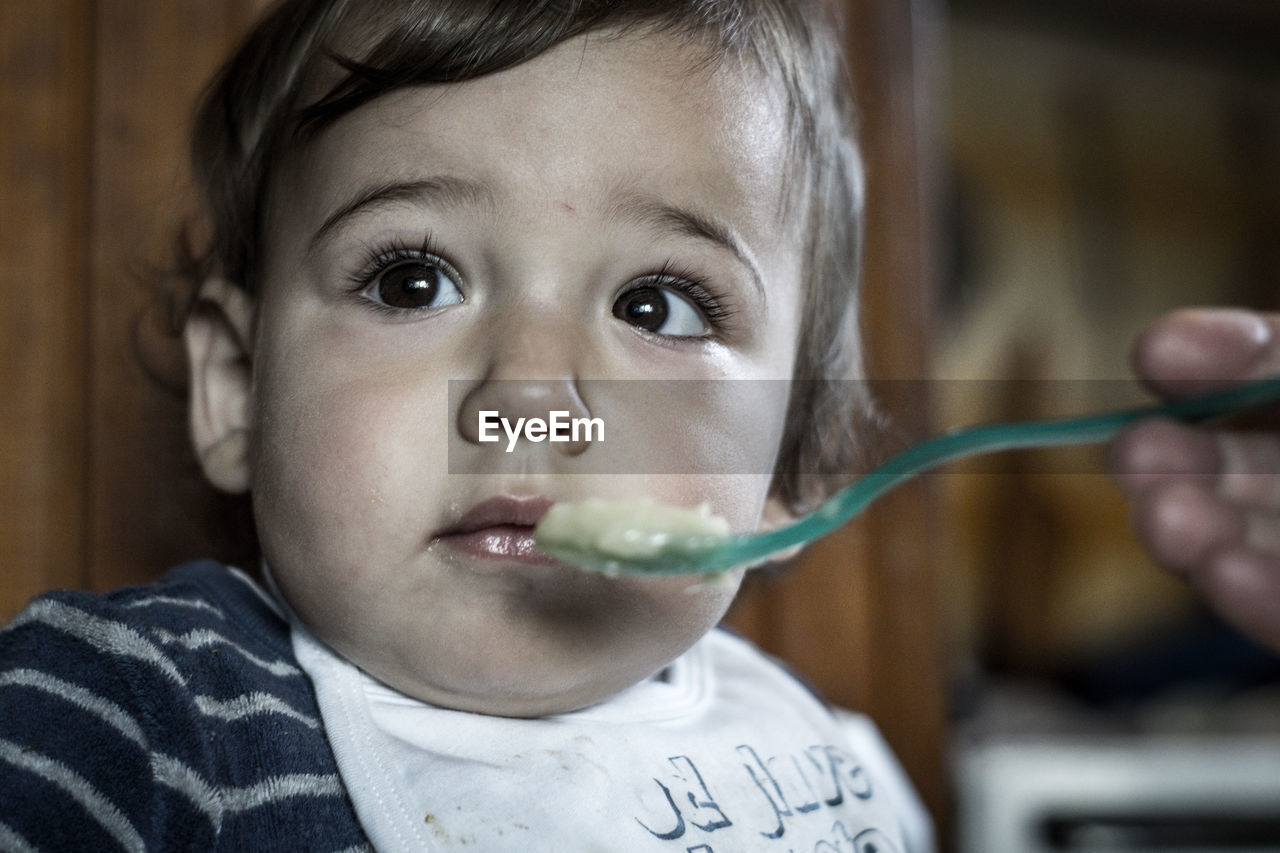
[(167, 717)]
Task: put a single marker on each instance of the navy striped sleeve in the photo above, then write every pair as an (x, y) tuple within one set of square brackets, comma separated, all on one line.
[(169, 717)]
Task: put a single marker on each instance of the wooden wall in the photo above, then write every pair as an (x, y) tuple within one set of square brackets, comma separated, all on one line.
[(858, 614), (97, 487)]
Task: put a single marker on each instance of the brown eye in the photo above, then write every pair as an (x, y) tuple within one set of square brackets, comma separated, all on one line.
[(660, 311), (415, 285), (645, 307)]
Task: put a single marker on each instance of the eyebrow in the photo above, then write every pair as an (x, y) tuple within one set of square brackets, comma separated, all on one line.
[(452, 191), (444, 190), (654, 212)]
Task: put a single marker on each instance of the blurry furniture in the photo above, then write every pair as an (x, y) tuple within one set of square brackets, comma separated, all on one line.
[(1120, 794)]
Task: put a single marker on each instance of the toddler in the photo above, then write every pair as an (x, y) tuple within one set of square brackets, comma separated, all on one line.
[(511, 200)]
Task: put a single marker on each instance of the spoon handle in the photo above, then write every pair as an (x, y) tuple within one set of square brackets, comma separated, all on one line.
[(989, 438)]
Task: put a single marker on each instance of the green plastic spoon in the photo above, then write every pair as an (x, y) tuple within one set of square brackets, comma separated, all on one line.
[(688, 549)]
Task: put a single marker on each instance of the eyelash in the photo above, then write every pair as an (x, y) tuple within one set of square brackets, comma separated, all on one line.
[(693, 287), (379, 258), (685, 282)]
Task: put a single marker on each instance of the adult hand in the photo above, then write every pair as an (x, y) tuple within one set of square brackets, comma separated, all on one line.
[(1206, 501)]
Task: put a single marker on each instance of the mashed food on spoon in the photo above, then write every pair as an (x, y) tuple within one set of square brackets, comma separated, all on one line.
[(628, 528)]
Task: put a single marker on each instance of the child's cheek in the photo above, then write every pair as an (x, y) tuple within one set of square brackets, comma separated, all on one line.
[(719, 438), (341, 460)]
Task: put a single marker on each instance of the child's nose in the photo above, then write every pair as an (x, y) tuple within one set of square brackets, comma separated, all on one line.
[(553, 401), (531, 372)]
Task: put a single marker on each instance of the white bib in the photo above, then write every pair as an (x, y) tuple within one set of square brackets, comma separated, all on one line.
[(725, 754)]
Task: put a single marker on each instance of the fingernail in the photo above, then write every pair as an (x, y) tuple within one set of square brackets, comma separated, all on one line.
[(1245, 326), (1204, 344)]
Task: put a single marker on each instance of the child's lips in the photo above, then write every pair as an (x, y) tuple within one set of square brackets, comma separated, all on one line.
[(500, 528), (507, 542)]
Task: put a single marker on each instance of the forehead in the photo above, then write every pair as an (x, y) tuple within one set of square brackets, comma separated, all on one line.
[(596, 119)]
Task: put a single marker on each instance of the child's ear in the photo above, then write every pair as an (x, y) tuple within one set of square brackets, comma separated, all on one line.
[(777, 514), (219, 354)]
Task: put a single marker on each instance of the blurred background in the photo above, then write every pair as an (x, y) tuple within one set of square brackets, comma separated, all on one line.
[(1101, 163), (1045, 179)]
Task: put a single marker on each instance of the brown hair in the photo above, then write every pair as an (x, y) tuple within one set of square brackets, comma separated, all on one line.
[(309, 62)]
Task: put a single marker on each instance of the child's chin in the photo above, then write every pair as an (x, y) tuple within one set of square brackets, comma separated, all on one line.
[(526, 709), (522, 703), (506, 685)]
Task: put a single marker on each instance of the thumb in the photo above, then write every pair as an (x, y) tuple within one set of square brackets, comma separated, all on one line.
[(1193, 350)]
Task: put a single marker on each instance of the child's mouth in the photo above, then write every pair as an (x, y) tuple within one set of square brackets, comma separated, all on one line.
[(500, 528), (507, 542)]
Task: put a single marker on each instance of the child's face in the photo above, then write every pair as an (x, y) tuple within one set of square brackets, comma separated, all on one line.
[(555, 192)]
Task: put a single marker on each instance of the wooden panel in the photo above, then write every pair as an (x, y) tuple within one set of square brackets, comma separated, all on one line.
[(857, 615), (890, 55), (44, 296), (147, 504)]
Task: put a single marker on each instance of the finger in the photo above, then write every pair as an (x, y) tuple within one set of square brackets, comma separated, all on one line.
[(1195, 349), (1184, 524), (1249, 472), (1243, 468), (1230, 554), (1159, 451), (1243, 586)]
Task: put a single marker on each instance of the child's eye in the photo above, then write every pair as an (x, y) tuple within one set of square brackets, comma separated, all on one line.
[(659, 311), (412, 285), (669, 306), (415, 284)]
